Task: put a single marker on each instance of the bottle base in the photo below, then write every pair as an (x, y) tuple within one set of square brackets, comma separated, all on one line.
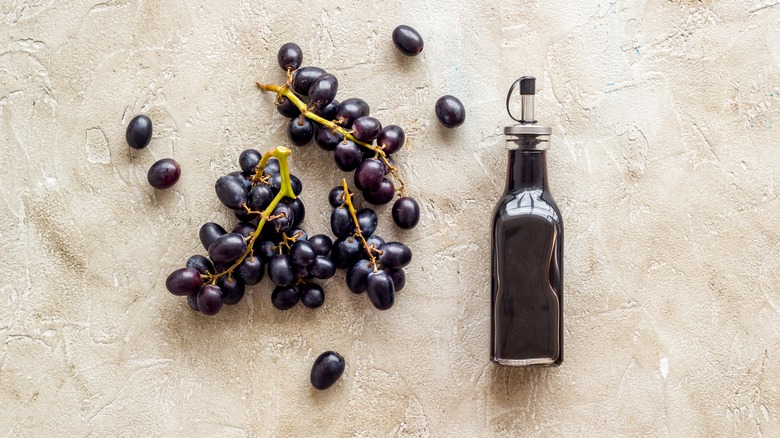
[(535, 362)]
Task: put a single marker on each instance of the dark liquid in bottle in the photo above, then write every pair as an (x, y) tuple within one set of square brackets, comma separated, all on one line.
[(527, 255)]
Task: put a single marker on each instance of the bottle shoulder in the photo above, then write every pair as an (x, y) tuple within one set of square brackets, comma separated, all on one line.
[(534, 202)]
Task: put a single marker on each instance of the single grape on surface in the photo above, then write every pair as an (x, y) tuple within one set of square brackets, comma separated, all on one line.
[(139, 132), (290, 56), (164, 173), (407, 40), (327, 369), (450, 111)]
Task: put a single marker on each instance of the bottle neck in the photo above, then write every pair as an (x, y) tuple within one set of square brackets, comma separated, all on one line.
[(526, 170)]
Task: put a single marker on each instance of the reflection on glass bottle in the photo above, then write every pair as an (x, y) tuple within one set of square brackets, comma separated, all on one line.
[(527, 252)]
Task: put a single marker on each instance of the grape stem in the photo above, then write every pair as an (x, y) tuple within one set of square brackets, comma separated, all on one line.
[(280, 153), (284, 90), (358, 232)]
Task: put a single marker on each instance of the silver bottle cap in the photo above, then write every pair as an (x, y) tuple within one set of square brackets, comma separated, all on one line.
[(527, 122)]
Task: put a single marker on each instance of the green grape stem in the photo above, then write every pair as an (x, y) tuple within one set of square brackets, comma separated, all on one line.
[(284, 90), (358, 231), (280, 153)]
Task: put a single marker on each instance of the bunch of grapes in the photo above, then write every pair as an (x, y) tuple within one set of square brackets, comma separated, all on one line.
[(359, 142), (373, 265), (264, 198)]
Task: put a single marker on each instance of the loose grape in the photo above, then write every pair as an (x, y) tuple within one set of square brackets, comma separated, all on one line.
[(164, 173), (407, 40), (139, 132), (450, 111), (327, 369)]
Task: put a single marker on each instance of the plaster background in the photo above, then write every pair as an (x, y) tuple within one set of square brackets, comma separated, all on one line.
[(664, 163)]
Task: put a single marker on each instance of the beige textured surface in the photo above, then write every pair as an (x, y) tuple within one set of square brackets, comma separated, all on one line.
[(665, 164)]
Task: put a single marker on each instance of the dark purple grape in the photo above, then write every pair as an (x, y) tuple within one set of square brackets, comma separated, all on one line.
[(231, 192), (323, 267), (248, 161), (300, 131), (347, 155), (297, 233), (227, 248), (201, 264), (407, 40), (298, 209), (287, 107), (285, 297), (406, 212), (184, 281), (251, 270), (302, 253), (244, 178), (357, 274), (266, 250), (328, 112), (391, 139), (280, 270), (450, 111), (366, 129), (395, 255), (381, 291), (276, 184), (336, 196), (326, 138), (210, 232), (192, 301), (289, 56), (327, 369), (272, 167), (232, 289), (139, 132), (245, 229), (302, 272), (209, 300), (312, 295), (367, 221), (243, 216), (341, 222), (260, 197), (345, 252), (323, 90), (372, 242), (321, 244), (382, 195), (285, 218), (398, 276), (369, 174), (304, 77), (350, 110), (164, 173)]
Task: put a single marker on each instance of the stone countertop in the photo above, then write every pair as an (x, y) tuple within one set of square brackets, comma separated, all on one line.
[(664, 162)]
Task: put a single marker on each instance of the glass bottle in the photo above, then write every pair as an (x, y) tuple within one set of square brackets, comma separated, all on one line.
[(527, 250)]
